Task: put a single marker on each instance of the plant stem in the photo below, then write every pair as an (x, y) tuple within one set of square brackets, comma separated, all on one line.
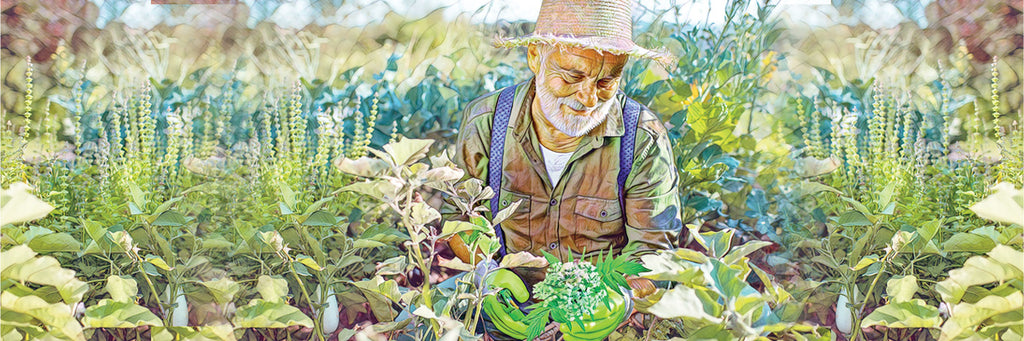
[(305, 294)]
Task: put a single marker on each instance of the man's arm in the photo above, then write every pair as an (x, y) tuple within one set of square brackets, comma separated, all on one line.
[(472, 149), (652, 198)]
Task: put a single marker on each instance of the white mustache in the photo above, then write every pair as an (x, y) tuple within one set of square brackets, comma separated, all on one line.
[(579, 106)]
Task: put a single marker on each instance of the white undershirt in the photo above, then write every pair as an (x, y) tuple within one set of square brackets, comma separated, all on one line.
[(555, 163)]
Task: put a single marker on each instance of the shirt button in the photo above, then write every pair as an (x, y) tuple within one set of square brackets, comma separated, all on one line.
[(554, 202), (604, 213), (504, 203), (553, 246)]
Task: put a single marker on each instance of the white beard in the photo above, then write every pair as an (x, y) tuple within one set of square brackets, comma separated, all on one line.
[(572, 125)]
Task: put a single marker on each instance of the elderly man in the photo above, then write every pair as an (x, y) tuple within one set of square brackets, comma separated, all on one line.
[(592, 168)]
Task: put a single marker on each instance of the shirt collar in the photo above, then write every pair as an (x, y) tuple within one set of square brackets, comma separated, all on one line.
[(611, 127)]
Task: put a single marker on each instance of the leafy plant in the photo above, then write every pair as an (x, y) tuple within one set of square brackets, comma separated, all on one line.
[(573, 290)]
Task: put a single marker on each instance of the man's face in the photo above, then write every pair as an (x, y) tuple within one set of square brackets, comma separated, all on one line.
[(574, 85)]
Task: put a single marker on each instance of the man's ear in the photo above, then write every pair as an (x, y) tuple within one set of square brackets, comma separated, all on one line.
[(533, 57)]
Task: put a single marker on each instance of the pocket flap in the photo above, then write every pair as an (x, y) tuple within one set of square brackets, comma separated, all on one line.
[(598, 209)]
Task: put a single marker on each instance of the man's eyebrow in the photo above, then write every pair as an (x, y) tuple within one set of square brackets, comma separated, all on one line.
[(617, 72)]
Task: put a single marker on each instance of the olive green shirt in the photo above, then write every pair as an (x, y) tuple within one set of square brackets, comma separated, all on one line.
[(581, 213)]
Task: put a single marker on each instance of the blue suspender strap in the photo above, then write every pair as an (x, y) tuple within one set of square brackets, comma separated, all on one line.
[(499, 127), (630, 117)]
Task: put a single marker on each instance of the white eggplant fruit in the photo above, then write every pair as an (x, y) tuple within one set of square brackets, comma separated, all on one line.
[(178, 314), (844, 316), (329, 317)]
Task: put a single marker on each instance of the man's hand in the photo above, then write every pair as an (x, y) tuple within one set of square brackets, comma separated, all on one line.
[(501, 307), (603, 322)]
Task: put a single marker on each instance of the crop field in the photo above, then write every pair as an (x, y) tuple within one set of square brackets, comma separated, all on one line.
[(285, 170)]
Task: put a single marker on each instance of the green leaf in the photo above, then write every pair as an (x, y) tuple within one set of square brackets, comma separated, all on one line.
[(321, 218), (158, 262), (523, 259), (1002, 263), (17, 205), (968, 242), (681, 302), (901, 289), (966, 317), (122, 288), (742, 251), (272, 289), (885, 197), (31, 313), (909, 314), (270, 314), (113, 314), (55, 242), (287, 196), (853, 218), (857, 206), (134, 209), (284, 208), (20, 263), (407, 151), (138, 197), (422, 214), (454, 226), (364, 166), (549, 257), (170, 218), (308, 262), (717, 243), (166, 205), (865, 262), (366, 243), (1005, 205), (316, 206), (506, 212), (223, 290)]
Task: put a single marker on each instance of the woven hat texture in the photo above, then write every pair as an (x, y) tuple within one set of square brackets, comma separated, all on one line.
[(603, 25)]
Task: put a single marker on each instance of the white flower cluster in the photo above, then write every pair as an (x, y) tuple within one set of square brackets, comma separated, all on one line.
[(574, 288)]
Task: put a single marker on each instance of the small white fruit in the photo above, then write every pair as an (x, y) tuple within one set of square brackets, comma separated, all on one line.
[(179, 315), (844, 316), (329, 316)]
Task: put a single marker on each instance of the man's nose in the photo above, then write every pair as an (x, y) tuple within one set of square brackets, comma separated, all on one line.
[(587, 95)]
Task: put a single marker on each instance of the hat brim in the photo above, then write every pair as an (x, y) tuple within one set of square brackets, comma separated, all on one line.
[(615, 46)]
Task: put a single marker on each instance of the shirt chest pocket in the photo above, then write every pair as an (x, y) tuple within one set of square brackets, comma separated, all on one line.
[(597, 210)]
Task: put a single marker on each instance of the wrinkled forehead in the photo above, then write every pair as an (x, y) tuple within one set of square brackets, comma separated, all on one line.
[(583, 59)]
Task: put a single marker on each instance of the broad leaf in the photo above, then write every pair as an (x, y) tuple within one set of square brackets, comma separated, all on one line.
[(20, 263), (407, 151), (681, 302), (1002, 263), (113, 314), (265, 314), (1005, 205), (901, 289), (967, 317), (909, 314), (55, 242), (17, 205), (272, 289), (523, 259), (223, 290), (364, 166), (455, 226), (422, 214), (122, 289), (969, 242)]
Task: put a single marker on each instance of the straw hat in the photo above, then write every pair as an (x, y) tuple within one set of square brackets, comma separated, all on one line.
[(602, 25)]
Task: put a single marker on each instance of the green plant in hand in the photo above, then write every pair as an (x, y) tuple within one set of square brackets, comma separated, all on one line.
[(586, 299), (574, 288)]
